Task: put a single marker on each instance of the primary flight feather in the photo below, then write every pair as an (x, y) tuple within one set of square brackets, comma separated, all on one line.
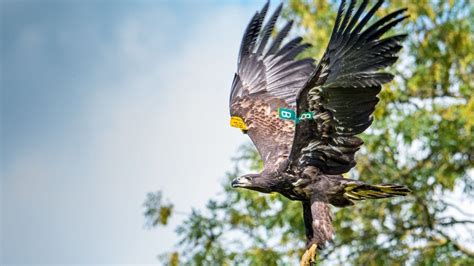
[(304, 158)]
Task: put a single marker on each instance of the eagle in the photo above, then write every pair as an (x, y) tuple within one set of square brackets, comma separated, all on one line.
[(329, 102)]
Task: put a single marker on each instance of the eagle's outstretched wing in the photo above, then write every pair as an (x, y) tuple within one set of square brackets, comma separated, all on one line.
[(342, 90), (268, 78)]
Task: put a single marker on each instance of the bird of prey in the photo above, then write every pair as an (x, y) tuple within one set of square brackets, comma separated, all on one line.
[(304, 159)]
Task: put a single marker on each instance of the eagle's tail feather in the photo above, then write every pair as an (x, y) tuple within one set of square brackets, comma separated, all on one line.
[(358, 191)]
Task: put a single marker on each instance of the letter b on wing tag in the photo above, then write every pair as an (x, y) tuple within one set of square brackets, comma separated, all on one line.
[(287, 114), (307, 115)]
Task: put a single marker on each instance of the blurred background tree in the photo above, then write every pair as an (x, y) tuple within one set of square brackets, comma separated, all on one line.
[(422, 137)]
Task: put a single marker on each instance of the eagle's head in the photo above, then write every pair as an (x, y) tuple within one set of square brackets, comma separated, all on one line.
[(258, 182)]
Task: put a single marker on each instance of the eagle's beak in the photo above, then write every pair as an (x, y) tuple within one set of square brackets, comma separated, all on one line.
[(242, 181)]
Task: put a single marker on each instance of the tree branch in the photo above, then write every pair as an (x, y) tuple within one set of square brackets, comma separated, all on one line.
[(453, 221), (456, 245)]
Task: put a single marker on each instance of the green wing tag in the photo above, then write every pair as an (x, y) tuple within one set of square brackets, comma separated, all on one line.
[(238, 122), (307, 115), (288, 114)]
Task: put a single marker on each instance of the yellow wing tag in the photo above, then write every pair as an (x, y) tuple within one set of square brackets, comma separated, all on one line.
[(237, 122)]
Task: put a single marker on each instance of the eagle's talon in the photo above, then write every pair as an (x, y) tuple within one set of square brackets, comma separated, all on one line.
[(309, 256)]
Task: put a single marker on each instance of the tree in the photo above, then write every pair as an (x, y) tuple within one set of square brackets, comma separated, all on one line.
[(422, 137)]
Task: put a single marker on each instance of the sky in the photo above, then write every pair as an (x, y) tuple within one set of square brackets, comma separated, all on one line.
[(102, 102)]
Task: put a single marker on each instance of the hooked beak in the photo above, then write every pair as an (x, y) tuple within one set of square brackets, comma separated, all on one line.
[(242, 181)]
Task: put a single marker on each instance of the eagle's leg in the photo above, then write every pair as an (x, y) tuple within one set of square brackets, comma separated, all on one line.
[(318, 225), (309, 256)]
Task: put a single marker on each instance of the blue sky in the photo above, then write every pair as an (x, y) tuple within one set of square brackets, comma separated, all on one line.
[(102, 102)]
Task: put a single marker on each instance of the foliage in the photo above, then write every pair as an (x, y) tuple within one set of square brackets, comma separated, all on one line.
[(157, 212), (422, 137)]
